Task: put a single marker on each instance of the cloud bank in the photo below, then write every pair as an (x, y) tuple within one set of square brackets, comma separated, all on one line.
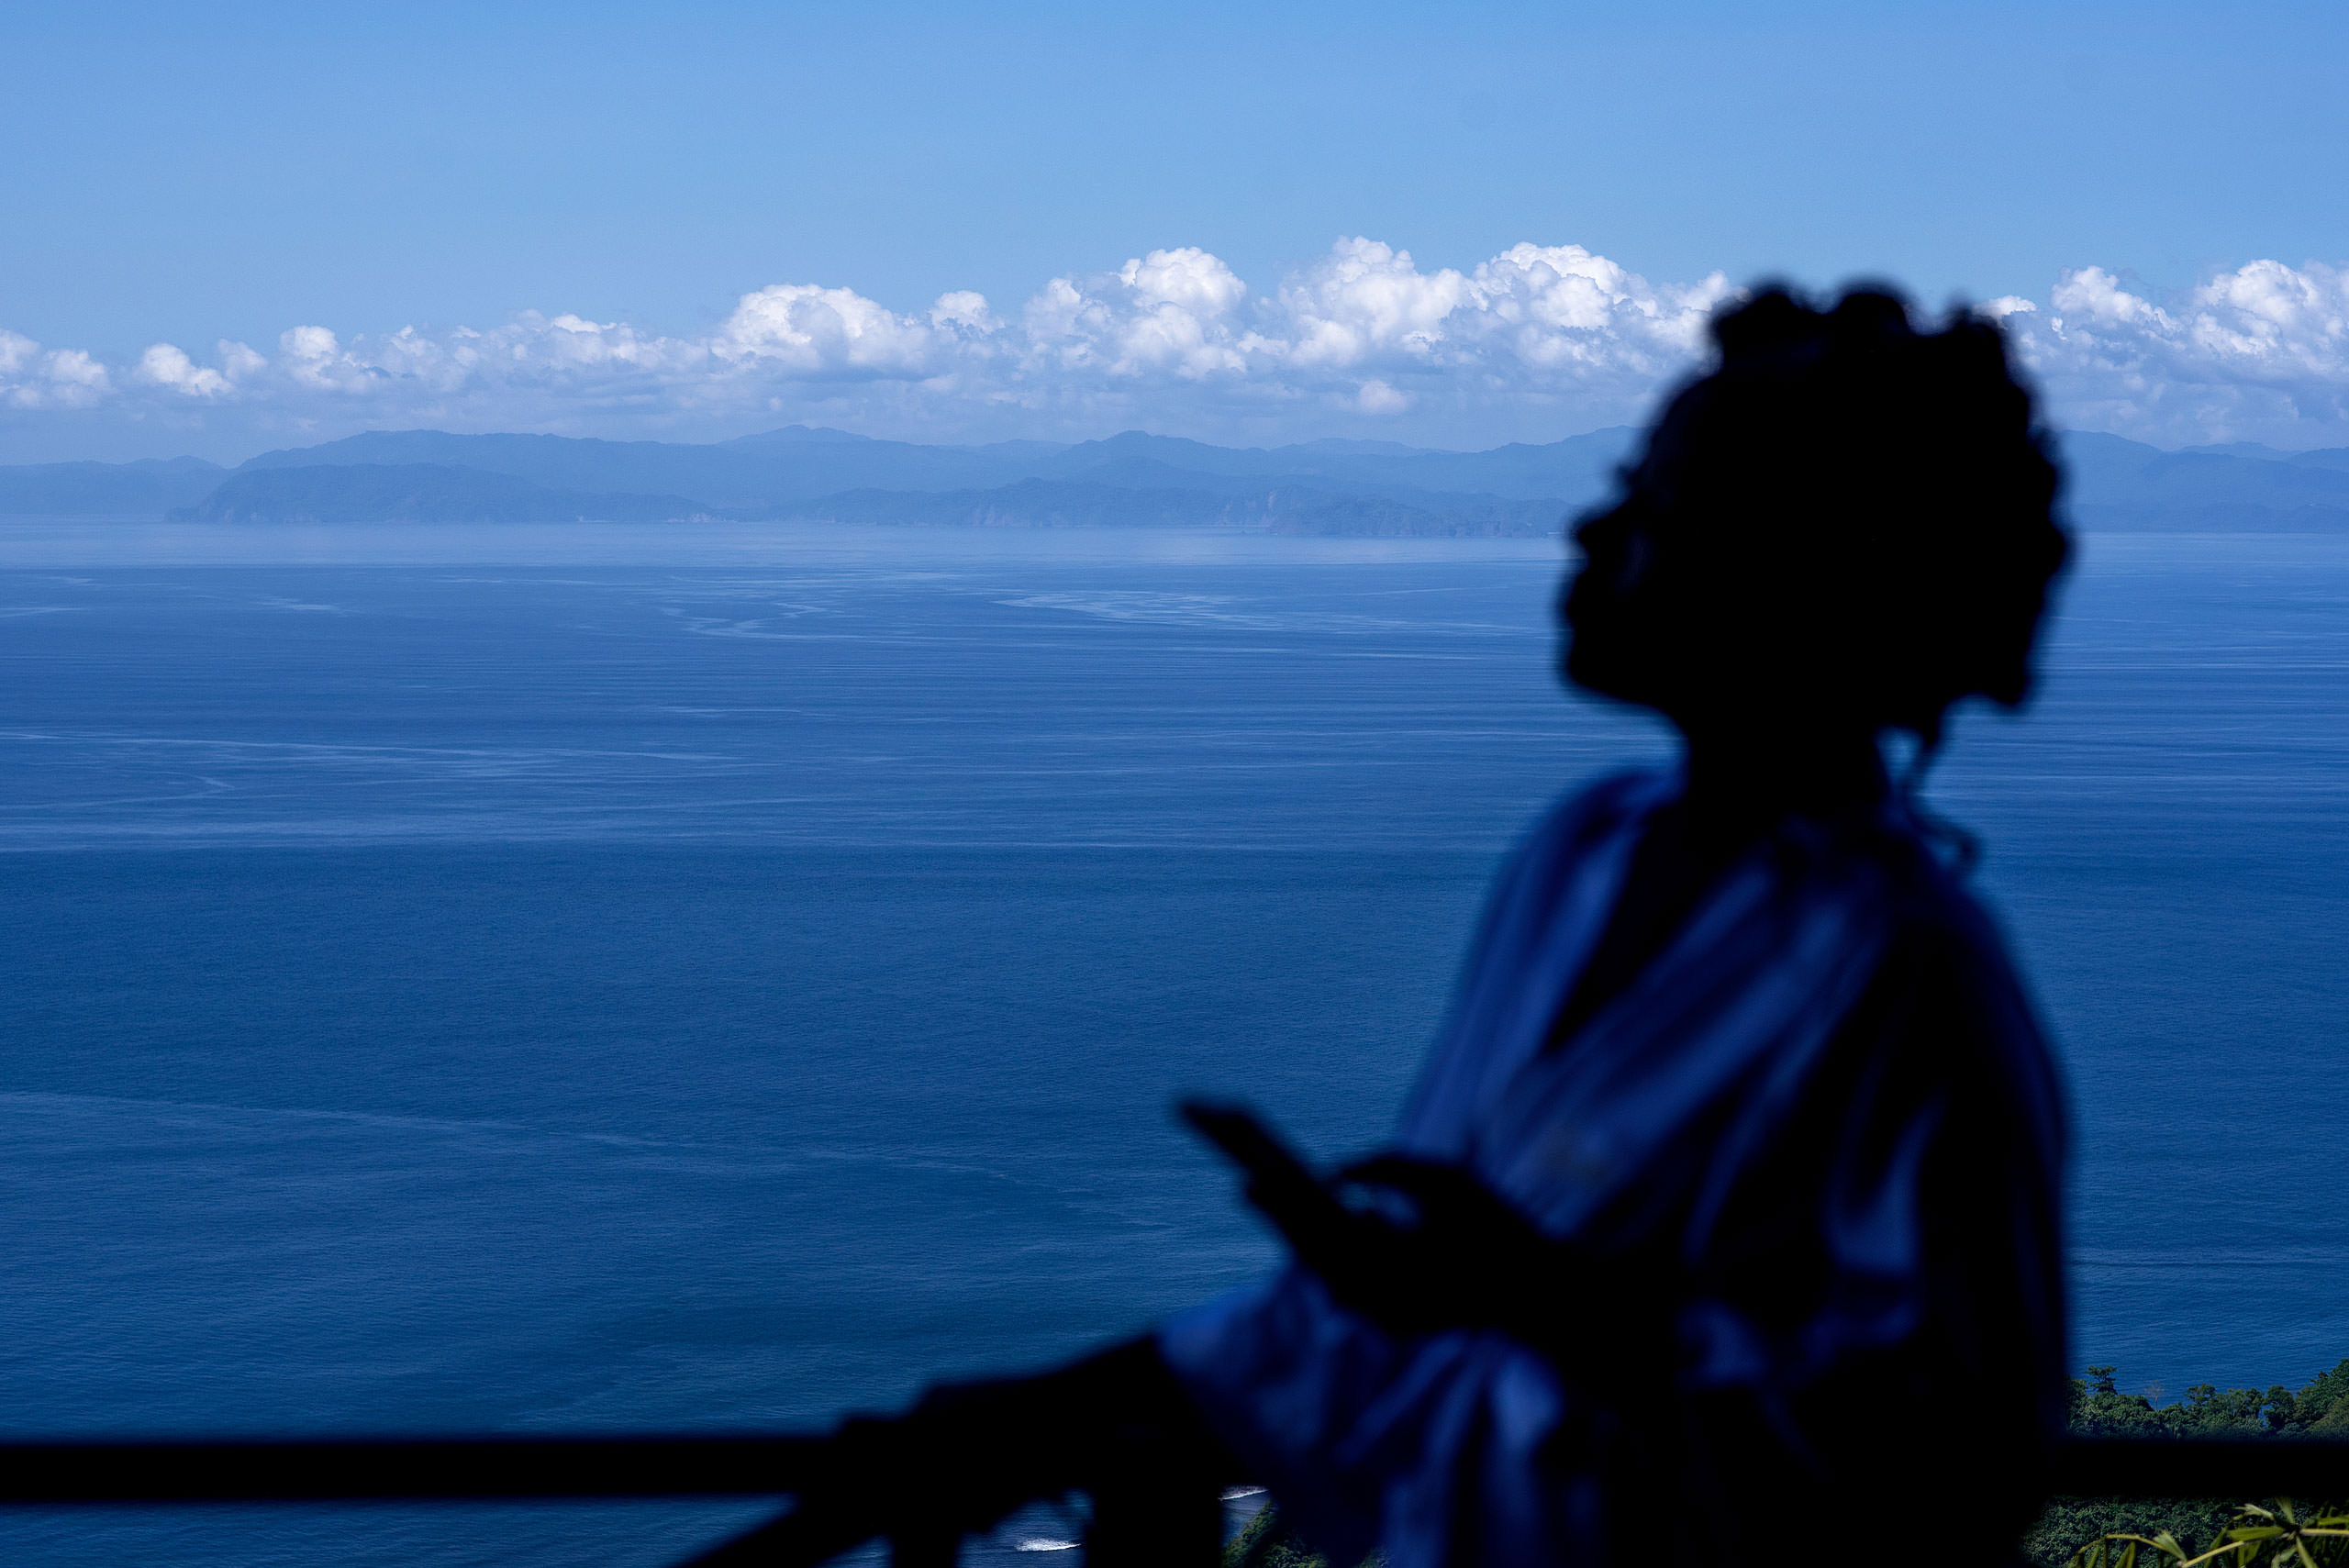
[(2260, 353), (1536, 342)]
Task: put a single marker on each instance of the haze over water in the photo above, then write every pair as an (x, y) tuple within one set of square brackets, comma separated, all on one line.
[(575, 978)]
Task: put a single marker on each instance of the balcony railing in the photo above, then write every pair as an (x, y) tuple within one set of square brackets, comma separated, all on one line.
[(1141, 1526)]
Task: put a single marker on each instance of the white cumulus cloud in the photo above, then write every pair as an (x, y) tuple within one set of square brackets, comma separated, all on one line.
[(2258, 353), (16, 352), (1533, 342), (1365, 301), (170, 368), (60, 378), (963, 311), (1175, 312), (167, 365), (819, 331)]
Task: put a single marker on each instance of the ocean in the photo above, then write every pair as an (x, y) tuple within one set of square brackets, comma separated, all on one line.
[(543, 979)]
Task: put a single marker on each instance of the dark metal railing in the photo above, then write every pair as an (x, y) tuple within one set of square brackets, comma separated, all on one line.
[(1140, 1527), (337, 1470), (1142, 1523), (2248, 1469)]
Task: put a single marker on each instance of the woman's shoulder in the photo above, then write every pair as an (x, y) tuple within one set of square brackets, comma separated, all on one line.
[(1953, 953), (1919, 869), (1929, 876), (1598, 809), (1920, 897), (1550, 875)]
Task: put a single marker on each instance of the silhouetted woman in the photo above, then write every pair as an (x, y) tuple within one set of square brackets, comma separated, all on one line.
[(1726, 1211)]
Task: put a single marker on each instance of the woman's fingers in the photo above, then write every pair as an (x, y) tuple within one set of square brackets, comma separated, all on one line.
[(1408, 1173), (1447, 1195)]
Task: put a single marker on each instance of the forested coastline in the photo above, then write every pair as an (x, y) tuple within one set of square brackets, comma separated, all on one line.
[(2319, 1408)]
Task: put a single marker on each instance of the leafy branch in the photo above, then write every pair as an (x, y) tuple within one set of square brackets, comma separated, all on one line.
[(2258, 1538)]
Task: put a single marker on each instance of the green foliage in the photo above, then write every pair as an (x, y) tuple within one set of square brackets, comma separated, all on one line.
[(2100, 1409), (2254, 1537), (1267, 1542), (2117, 1532), (2058, 1536)]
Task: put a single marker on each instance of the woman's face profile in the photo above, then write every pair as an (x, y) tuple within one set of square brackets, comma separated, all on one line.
[(1613, 607), (1654, 617)]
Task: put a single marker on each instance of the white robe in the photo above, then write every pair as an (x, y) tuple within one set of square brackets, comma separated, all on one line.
[(1632, 1136)]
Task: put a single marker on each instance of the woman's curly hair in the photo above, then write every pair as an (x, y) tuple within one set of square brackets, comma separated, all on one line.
[(1873, 504)]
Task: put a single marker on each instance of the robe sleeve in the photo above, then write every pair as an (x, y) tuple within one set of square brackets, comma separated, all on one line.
[(1434, 1449), (1367, 1439)]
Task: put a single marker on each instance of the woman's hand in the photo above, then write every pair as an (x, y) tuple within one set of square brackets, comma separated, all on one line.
[(1418, 1246)]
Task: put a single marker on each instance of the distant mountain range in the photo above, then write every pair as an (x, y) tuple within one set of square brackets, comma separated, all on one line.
[(416, 493), (1129, 481), (2117, 483)]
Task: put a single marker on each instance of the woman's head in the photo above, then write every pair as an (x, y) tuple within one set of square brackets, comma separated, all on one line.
[(1846, 525)]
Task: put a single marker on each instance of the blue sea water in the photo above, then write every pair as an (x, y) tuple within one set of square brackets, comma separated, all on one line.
[(563, 979)]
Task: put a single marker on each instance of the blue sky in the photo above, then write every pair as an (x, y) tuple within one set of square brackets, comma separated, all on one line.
[(218, 181)]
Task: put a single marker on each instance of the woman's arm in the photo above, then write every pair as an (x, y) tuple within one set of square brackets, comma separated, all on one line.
[(969, 1454)]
